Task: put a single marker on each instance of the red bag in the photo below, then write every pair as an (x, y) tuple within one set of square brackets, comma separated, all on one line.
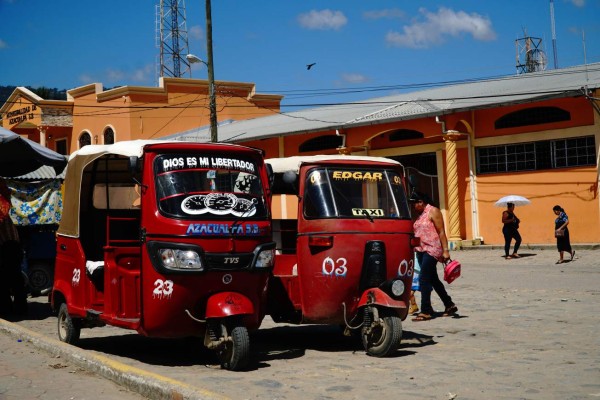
[(451, 270), (4, 207)]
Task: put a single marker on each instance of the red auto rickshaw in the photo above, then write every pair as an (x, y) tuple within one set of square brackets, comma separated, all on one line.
[(344, 251), (170, 239)]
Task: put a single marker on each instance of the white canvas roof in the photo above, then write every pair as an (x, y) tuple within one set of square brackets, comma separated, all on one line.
[(281, 165)]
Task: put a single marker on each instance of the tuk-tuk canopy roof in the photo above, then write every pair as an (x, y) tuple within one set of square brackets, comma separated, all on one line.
[(126, 148), (281, 165), (69, 224)]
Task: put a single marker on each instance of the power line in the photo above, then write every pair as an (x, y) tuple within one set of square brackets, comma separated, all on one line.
[(115, 111)]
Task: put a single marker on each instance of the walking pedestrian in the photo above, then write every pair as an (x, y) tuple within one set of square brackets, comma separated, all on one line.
[(433, 247), (561, 232), (510, 230)]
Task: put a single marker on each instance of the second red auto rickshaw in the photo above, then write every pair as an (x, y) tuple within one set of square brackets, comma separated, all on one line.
[(170, 239), (344, 246)]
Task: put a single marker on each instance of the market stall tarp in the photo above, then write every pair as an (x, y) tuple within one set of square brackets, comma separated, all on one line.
[(19, 155), (35, 203)]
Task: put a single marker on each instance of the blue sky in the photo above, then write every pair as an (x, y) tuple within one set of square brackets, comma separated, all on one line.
[(359, 47)]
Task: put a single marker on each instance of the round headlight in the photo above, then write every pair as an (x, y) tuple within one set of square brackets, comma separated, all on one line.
[(397, 287), (187, 259), (167, 257)]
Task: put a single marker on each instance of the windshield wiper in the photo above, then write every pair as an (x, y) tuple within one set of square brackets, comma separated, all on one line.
[(366, 214)]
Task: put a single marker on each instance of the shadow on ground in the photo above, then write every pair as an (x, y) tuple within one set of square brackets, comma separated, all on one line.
[(276, 343)]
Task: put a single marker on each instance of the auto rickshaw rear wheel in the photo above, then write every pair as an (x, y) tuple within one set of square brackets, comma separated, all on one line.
[(382, 338), (234, 354), (40, 277), (68, 329)]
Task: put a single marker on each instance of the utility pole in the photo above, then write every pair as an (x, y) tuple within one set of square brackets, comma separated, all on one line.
[(211, 75), (553, 34)]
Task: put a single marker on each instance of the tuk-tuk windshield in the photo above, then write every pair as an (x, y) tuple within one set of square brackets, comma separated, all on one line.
[(354, 193), (196, 186)]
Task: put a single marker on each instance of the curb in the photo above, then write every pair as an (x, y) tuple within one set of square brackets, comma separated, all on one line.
[(532, 246), (148, 384)]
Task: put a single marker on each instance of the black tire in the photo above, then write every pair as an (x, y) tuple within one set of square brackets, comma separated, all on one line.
[(68, 328), (40, 278), (383, 339), (235, 355)]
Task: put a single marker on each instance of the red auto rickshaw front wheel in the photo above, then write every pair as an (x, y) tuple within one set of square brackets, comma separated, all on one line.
[(234, 353), (382, 338)]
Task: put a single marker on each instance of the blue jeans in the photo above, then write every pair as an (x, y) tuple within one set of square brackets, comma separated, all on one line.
[(429, 280)]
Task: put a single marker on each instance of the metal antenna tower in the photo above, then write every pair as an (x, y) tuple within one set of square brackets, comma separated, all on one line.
[(172, 39), (534, 58)]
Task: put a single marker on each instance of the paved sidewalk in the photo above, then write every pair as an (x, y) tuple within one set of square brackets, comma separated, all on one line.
[(19, 365), (27, 372)]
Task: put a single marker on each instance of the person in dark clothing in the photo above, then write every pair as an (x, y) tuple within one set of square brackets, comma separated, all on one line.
[(13, 293), (563, 241), (510, 230)]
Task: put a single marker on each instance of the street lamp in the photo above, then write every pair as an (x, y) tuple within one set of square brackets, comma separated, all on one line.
[(211, 93)]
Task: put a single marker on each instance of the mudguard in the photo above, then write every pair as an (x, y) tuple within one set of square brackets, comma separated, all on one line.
[(225, 304), (381, 298)]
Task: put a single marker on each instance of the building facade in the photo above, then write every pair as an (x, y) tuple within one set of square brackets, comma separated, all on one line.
[(93, 115), (537, 136)]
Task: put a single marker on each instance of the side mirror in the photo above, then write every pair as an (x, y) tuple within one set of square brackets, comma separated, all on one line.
[(289, 177), (270, 174), (134, 164), (413, 180)]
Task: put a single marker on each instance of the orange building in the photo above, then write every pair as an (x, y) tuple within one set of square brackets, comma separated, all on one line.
[(536, 135), (92, 115)]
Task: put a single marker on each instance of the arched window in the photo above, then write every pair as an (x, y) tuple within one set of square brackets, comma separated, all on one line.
[(532, 116), (405, 134), (109, 136), (85, 139), (321, 143)]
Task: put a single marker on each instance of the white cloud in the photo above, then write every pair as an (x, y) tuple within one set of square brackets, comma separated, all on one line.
[(354, 78), (3, 44), (389, 13), (323, 20), (143, 74), (86, 78), (578, 3), (196, 32), (436, 27), (114, 75)]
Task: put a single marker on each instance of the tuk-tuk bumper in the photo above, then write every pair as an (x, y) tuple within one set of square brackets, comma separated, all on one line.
[(379, 297), (226, 304)]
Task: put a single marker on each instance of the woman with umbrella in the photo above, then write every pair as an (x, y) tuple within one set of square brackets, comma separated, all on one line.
[(510, 228)]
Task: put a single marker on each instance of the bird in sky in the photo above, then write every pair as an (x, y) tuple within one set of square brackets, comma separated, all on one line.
[(309, 66)]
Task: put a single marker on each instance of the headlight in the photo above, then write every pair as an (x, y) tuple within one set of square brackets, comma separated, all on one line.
[(397, 288), (180, 259), (265, 259)]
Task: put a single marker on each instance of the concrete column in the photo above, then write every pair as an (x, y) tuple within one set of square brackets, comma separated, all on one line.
[(454, 239), (42, 131)]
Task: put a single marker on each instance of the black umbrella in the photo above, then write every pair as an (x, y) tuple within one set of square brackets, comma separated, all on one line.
[(20, 156)]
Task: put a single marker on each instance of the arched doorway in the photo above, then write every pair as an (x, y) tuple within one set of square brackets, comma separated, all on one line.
[(424, 167)]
